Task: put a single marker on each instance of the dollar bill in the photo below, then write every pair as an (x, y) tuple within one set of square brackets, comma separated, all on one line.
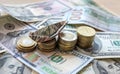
[(87, 70), (105, 45), (87, 12), (36, 11), (55, 62), (9, 65), (2, 13), (58, 62), (34, 72), (48, 32), (94, 17), (106, 66), (102, 66), (2, 50)]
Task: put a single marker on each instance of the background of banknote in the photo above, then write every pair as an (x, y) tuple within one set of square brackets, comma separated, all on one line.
[(10, 65), (104, 23), (103, 66)]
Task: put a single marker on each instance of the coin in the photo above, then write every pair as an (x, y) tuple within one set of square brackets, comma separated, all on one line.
[(25, 44), (46, 50), (68, 38), (48, 45), (65, 48), (85, 36)]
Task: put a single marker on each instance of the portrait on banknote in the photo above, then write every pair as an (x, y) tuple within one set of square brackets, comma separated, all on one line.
[(108, 66), (9, 65), (96, 45)]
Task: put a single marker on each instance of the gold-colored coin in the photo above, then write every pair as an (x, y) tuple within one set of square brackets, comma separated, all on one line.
[(46, 50), (65, 48), (62, 45), (86, 31), (67, 43), (25, 44), (47, 43), (25, 50), (49, 47), (85, 36)]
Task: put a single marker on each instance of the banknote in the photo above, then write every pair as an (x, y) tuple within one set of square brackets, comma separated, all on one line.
[(105, 45), (9, 65), (2, 50), (36, 11), (94, 17), (87, 70), (102, 66), (55, 62), (87, 12), (2, 13), (34, 72), (106, 66), (48, 32)]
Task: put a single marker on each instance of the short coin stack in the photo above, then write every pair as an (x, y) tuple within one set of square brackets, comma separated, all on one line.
[(48, 45), (85, 36), (26, 44), (67, 40)]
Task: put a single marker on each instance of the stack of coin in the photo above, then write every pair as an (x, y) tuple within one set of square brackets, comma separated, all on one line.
[(26, 44), (48, 45), (67, 40), (85, 36)]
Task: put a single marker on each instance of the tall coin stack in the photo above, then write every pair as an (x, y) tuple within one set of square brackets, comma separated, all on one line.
[(85, 36), (47, 46), (67, 40)]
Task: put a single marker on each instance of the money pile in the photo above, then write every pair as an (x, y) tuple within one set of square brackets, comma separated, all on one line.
[(48, 45), (25, 44), (67, 40), (43, 15), (85, 36)]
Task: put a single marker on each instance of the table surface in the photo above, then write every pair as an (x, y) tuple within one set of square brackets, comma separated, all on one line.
[(112, 6)]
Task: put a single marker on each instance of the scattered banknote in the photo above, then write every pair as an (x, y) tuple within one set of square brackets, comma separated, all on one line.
[(48, 32), (2, 13), (83, 12), (55, 62), (87, 12), (106, 66), (105, 45), (9, 65), (88, 70), (36, 11), (94, 17), (2, 50), (102, 66), (34, 72)]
